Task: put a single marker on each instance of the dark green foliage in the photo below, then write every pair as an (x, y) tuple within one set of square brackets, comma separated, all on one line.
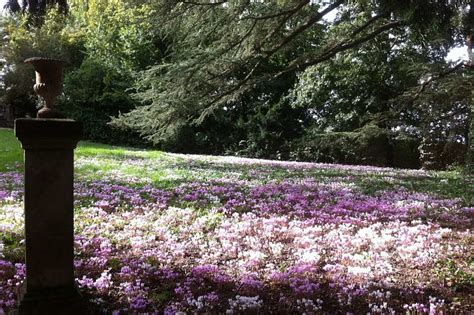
[(244, 45), (469, 164), (367, 146), (226, 87), (14, 248), (470, 150), (359, 87), (35, 7), (235, 54), (405, 152), (444, 112), (268, 130), (92, 95), (19, 96), (441, 155), (269, 79)]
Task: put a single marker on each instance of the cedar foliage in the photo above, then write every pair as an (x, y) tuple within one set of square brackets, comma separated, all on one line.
[(256, 78)]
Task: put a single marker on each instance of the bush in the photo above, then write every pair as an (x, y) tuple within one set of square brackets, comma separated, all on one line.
[(92, 95), (367, 146), (441, 155), (405, 152)]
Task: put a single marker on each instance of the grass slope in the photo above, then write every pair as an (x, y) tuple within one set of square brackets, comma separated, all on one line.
[(108, 158)]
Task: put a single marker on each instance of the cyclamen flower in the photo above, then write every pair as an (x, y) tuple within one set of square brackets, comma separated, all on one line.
[(269, 243)]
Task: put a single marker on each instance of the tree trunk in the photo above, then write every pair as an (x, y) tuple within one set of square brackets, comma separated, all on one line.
[(470, 139)]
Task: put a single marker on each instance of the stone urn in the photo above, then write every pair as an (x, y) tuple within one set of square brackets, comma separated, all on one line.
[(49, 79)]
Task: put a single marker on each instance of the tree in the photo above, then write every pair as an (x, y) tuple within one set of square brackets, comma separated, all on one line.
[(362, 85), (258, 72), (35, 8), (117, 41), (221, 51), (118, 33), (104, 42), (470, 42)]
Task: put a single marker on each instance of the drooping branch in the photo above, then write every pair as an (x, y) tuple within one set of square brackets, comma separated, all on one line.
[(286, 13), (368, 23), (340, 47), (411, 98), (241, 86), (437, 77), (204, 3), (309, 23), (283, 21), (247, 81), (237, 75)]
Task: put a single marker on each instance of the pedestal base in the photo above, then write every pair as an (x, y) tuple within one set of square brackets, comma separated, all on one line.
[(58, 301)]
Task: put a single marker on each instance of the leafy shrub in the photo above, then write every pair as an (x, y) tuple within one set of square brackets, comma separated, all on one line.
[(405, 152), (441, 155), (368, 146), (92, 95), (267, 130)]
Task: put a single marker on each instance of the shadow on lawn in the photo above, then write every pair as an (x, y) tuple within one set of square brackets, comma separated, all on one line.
[(161, 286), (281, 297), (439, 184)]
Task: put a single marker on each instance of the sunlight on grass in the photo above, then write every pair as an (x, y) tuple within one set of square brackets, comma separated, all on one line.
[(11, 154), (163, 169)]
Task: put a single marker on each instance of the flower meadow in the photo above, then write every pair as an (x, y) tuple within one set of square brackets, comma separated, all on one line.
[(175, 234)]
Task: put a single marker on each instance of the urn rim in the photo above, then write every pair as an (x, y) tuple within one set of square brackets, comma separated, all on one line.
[(45, 59)]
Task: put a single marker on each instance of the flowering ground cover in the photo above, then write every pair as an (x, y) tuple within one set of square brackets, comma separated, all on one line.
[(166, 233)]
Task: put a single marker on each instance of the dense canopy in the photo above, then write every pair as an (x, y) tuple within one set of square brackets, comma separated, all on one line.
[(258, 78)]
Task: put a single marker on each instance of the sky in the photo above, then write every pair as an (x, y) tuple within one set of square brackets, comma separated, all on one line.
[(459, 53)]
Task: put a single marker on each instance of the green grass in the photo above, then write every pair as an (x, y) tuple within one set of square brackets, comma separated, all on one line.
[(158, 166), (11, 154)]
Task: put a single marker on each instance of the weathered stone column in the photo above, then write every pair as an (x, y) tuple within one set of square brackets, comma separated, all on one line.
[(49, 235)]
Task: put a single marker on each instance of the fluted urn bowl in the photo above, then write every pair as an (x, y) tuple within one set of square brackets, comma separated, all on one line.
[(49, 80)]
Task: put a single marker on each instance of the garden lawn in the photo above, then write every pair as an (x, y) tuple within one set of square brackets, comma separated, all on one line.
[(168, 233), (11, 154)]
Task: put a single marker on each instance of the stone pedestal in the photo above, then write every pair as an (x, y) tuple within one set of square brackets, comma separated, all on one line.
[(49, 234)]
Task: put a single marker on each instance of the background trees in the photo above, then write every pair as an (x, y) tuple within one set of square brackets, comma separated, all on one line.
[(261, 78), (36, 9)]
